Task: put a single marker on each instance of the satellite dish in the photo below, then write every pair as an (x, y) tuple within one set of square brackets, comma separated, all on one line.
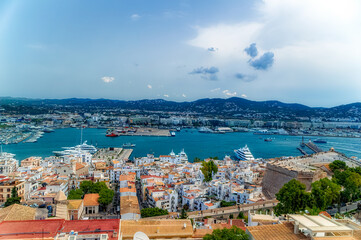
[(140, 236)]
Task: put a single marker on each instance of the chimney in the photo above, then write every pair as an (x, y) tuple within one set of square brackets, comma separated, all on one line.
[(296, 227), (184, 226)]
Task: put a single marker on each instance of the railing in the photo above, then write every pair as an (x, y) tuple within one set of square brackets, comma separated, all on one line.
[(224, 210)]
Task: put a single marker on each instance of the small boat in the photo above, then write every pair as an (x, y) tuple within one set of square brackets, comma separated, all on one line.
[(268, 139), (128, 145), (172, 134), (319, 141), (112, 135)]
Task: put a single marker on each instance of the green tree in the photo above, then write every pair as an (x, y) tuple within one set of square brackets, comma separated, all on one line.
[(184, 214), (352, 185), (207, 169), (240, 215), (324, 193), (197, 159), (234, 233), (87, 186), (338, 165), (292, 198), (98, 187), (340, 177), (313, 211), (105, 197), (152, 212), (14, 199), (356, 170), (227, 204), (75, 194)]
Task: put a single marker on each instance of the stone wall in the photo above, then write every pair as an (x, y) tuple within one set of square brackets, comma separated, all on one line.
[(276, 176)]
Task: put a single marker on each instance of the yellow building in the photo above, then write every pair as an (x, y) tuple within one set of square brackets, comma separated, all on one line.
[(6, 185)]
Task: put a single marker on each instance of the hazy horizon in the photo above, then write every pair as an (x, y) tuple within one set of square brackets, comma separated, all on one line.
[(303, 52), (180, 101)]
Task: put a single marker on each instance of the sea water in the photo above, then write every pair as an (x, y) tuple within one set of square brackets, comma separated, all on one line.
[(195, 144)]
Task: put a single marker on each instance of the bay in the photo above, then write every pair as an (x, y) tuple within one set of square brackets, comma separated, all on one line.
[(195, 144)]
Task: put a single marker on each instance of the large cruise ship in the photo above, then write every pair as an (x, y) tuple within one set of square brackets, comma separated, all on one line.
[(244, 154)]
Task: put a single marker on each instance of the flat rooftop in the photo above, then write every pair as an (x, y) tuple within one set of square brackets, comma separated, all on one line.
[(319, 223)]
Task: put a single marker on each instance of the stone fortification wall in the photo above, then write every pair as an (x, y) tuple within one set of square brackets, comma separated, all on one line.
[(275, 177)]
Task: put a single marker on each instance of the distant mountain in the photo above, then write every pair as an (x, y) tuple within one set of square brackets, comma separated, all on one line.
[(208, 106)]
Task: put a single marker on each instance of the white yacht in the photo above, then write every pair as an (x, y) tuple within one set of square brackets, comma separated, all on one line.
[(78, 148), (244, 154), (183, 156)]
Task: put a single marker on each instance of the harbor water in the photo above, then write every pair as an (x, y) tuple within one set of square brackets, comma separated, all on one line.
[(195, 144)]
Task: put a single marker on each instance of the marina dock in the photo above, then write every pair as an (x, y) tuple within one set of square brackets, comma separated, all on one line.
[(125, 154)]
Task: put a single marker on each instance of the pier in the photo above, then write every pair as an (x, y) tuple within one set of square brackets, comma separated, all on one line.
[(302, 151), (313, 147)]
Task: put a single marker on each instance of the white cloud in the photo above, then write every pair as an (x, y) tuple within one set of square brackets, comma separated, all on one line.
[(315, 43), (215, 90), (183, 95), (149, 86), (166, 95), (229, 40), (135, 17), (244, 95), (108, 79), (228, 93)]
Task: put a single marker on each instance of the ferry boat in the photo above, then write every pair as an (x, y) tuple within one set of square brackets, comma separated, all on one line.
[(244, 154), (205, 130), (112, 135), (128, 145), (263, 132), (319, 141)]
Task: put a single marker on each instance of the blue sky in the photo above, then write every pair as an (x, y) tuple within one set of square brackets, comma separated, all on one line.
[(294, 51)]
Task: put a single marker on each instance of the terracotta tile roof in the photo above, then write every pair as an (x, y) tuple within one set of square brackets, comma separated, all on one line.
[(79, 166), (91, 199), (126, 178), (30, 229), (129, 204), (200, 233), (275, 232), (74, 204), (17, 212), (127, 190), (99, 226), (159, 229)]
